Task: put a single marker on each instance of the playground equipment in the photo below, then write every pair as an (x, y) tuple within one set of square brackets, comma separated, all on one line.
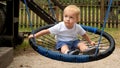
[(73, 58)]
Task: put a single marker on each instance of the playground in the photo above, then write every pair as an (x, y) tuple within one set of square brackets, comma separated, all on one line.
[(20, 18)]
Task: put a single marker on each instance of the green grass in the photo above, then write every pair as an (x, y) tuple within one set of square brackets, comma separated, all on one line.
[(115, 33)]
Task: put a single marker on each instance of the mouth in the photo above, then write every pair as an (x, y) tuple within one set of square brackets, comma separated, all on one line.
[(67, 22)]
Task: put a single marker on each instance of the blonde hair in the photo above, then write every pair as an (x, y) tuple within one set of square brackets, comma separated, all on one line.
[(75, 9)]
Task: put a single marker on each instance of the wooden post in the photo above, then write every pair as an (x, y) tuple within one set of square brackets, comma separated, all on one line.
[(9, 18), (101, 12), (18, 38), (57, 12)]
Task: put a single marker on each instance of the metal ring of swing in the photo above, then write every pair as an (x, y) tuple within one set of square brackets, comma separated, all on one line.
[(74, 58)]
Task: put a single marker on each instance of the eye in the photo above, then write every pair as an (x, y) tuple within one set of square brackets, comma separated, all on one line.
[(65, 16), (71, 17)]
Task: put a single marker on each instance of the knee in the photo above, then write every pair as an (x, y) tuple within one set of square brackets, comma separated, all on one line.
[(64, 49)]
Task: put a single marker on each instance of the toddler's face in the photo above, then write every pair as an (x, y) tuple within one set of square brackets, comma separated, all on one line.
[(69, 18)]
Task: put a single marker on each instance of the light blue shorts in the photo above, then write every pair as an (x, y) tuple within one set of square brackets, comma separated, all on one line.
[(71, 44)]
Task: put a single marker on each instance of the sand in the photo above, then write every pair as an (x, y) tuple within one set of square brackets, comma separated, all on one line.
[(31, 59)]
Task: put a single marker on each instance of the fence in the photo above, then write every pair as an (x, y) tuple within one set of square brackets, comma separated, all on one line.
[(92, 13)]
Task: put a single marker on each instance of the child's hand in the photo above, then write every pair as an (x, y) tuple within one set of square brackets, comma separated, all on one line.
[(30, 36), (92, 43)]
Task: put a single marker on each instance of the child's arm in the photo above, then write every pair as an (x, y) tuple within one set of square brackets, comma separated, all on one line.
[(40, 33), (88, 39)]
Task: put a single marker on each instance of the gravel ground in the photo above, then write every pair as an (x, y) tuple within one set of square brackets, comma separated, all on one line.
[(31, 59)]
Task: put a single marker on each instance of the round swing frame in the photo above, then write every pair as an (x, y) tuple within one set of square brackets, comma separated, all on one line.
[(74, 58)]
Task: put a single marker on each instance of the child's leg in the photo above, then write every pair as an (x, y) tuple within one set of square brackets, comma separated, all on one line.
[(64, 49), (85, 49), (82, 46)]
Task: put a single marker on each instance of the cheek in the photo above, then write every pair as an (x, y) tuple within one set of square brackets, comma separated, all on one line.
[(75, 20), (64, 18), (72, 21)]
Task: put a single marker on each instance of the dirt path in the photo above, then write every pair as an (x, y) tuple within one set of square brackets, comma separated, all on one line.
[(34, 60)]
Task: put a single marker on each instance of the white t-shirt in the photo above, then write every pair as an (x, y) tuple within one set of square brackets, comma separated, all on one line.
[(62, 33)]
